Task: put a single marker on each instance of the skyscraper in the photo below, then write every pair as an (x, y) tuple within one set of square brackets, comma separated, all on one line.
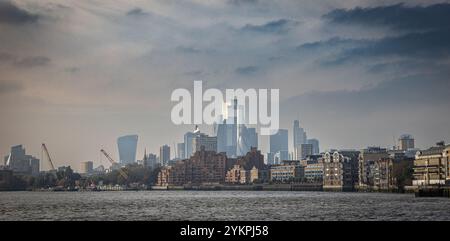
[(279, 143), (248, 138), (87, 167), (208, 142), (127, 146), (181, 151), (315, 145), (188, 150), (220, 130), (405, 142), (304, 150), (299, 135), (164, 155), (19, 161), (226, 130)]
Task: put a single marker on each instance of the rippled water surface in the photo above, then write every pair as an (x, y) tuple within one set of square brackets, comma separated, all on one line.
[(219, 205)]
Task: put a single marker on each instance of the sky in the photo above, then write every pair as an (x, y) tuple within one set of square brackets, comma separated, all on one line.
[(78, 74)]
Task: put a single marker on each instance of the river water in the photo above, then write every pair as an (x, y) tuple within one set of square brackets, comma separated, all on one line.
[(219, 205)]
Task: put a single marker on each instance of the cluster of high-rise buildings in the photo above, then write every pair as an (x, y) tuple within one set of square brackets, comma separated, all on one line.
[(231, 156), (19, 162)]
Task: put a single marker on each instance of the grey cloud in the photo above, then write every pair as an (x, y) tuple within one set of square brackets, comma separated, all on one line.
[(6, 57), (276, 26), (30, 62), (188, 50), (242, 2), (396, 16), (194, 73), (8, 87), (415, 91), (11, 14), (246, 70), (330, 44), (430, 45), (72, 70), (137, 12)]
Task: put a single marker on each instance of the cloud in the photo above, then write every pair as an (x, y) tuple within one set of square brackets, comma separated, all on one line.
[(138, 12), (6, 57), (276, 26), (8, 87), (72, 70), (411, 91), (11, 14), (188, 50), (30, 62), (430, 45), (242, 2), (396, 16), (247, 70)]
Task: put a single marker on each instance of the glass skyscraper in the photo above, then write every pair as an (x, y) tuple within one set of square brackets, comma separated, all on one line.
[(279, 143), (127, 146)]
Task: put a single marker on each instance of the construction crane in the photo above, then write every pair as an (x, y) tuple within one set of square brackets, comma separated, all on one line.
[(122, 173), (44, 149)]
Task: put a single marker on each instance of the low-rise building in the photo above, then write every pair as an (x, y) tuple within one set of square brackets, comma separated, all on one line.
[(431, 166), (314, 172), (367, 159), (6, 179), (239, 175), (340, 171), (289, 171), (204, 167), (233, 175)]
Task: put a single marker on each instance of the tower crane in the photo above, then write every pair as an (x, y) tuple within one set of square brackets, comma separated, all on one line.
[(44, 149), (122, 173)]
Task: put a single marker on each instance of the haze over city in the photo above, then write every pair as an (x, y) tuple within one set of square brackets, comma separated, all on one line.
[(77, 75)]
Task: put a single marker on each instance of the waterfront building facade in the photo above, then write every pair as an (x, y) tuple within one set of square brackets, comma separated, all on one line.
[(367, 159), (340, 171), (431, 166), (314, 172), (204, 167), (288, 171)]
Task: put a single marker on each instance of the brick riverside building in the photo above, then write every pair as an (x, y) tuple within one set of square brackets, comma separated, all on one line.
[(203, 167)]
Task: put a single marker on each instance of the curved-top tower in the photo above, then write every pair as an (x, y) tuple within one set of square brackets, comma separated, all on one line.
[(127, 146)]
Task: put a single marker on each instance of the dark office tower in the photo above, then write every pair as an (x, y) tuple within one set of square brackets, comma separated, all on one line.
[(181, 151), (315, 145), (279, 143), (127, 146), (164, 155), (248, 139), (234, 129), (299, 138), (188, 149), (220, 130)]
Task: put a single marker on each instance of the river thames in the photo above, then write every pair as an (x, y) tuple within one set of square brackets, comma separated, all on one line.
[(219, 205)]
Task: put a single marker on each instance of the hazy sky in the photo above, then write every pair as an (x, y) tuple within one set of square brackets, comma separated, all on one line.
[(78, 74)]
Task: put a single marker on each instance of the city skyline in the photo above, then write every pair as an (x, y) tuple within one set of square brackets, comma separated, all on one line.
[(350, 79)]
